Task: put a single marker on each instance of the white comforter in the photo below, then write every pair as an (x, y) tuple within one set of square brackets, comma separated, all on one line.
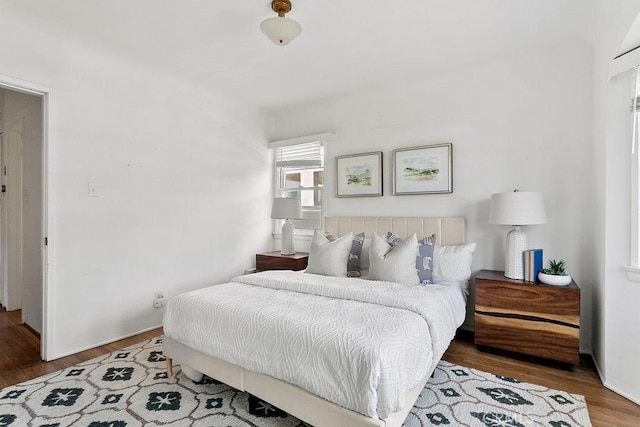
[(358, 343)]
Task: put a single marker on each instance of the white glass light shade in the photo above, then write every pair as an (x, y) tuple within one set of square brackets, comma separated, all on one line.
[(280, 30), (517, 208), (286, 208)]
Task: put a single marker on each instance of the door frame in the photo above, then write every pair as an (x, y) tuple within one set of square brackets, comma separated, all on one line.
[(48, 102)]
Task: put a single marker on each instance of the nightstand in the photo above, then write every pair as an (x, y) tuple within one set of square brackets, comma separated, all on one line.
[(276, 261), (530, 318)]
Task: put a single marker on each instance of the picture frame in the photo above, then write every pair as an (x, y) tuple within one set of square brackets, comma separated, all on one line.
[(423, 170), (359, 175)]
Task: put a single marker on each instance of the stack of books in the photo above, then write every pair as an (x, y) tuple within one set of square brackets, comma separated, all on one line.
[(532, 264)]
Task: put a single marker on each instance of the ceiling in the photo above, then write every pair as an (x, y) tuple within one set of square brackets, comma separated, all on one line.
[(345, 46)]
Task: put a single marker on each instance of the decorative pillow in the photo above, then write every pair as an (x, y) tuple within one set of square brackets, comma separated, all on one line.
[(424, 259), (392, 238), (394, 263), (329, 258), (453, 262), (364, 256), (353, 265), (424, 256)]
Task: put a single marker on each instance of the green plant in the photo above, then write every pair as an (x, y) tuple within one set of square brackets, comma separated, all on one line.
[(556, 268)]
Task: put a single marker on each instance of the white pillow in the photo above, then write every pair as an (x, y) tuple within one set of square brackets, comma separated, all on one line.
[(394, 263), (329, 258), (453, 262)]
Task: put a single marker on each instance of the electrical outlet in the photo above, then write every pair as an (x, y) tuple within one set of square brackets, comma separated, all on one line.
[(159, 294), (159, 302), (93, 192)]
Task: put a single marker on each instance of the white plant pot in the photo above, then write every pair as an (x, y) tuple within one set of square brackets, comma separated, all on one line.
[(551, 279)]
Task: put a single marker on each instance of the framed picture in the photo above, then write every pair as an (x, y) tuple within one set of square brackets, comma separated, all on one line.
[(423, 170), (359, 175)]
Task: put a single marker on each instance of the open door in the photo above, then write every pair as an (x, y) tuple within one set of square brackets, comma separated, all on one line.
[(11, 215)]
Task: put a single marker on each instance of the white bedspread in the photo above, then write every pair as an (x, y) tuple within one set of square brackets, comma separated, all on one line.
[(358, 343)]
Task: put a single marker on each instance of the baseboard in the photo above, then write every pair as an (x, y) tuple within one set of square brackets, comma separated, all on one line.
[(616, 391), (99, 344), (33, 331), (600, 373), (609, 386)]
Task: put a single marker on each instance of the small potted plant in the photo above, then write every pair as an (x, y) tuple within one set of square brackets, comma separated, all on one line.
[(555, 274)]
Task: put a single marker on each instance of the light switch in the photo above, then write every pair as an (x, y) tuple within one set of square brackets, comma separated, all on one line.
[(92, 190)]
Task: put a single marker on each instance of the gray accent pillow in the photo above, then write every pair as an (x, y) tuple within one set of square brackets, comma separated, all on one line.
[(424, 259), (394, 263), (364, 256), (353, 266), (329, 258)]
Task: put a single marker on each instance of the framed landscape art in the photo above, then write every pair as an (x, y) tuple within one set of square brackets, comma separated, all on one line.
[(359, 175), (423, 170)]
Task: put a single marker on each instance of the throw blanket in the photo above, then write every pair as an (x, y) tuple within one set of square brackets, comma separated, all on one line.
[(358, 343)]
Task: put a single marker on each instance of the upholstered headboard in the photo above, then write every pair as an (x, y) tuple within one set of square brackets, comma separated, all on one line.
[(449, 231)]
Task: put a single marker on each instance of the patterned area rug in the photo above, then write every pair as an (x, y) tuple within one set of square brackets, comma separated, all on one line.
[(130, 388)]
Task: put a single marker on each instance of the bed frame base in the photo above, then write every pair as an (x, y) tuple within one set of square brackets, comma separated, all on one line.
[(292, 399)]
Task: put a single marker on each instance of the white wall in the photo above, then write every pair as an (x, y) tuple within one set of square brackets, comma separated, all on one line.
[(183, 183), (617, 342), (517, 122), (20, 106)]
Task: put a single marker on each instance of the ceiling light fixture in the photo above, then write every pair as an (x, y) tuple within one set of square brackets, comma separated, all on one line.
[(281, 30)]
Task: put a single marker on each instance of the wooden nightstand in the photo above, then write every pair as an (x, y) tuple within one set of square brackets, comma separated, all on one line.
[(530, 318), (276, 261)]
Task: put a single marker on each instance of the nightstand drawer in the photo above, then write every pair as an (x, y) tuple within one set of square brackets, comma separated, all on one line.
[(276, 261), (561, 304), (533, 337)]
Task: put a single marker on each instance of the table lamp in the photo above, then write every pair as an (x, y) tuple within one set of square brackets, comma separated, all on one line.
[(517, 208), (286, 208)]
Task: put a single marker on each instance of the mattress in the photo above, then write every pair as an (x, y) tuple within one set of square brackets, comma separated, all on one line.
[(358, 343)]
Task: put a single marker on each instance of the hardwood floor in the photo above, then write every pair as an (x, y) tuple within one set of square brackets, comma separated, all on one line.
[(20, 361), (606, 408), (20, 351)]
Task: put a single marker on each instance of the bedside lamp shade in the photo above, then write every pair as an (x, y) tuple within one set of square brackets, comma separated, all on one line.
[(286, 208), (517, 209)]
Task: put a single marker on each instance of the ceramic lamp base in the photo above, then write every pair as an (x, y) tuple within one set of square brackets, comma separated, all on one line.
[(516, 244), (287, 239)]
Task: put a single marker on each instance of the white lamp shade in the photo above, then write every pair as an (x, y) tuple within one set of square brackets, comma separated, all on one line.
[(517, 208), (286, 208), (280, 30)]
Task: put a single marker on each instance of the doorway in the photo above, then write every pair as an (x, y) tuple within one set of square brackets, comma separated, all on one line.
[(11, 218), (23, 221)]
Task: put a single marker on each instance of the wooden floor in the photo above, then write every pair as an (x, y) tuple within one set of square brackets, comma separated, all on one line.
[(20, 351), (606, 408), (20, 361)]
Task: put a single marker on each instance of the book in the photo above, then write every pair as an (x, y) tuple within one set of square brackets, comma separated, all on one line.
[(532, 264)]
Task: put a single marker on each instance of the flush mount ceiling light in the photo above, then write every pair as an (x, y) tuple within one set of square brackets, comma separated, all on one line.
[(281, 30)]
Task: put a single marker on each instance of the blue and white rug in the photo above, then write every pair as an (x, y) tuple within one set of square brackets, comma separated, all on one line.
[(130, 388)]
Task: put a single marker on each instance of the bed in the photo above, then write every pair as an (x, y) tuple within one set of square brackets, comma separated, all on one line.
[(318, 364)]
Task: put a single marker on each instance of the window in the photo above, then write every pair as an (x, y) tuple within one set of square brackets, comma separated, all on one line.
[(299, 173), (623, 128)]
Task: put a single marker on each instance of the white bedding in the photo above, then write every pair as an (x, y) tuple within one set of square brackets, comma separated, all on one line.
[(358, 343)]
